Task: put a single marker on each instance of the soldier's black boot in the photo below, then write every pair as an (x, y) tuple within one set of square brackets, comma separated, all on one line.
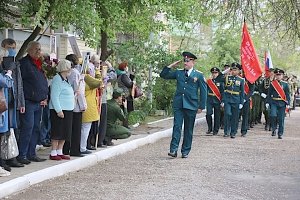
[(209, 123)]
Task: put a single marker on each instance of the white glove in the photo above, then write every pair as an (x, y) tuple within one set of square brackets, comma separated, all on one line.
[(267, 106), (288, 106), (263, 95), (244, 100), (240, 106), (226, 71), (222, 104)]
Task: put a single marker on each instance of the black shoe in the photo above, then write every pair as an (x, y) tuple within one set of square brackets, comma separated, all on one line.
[(273, 133), (14, 163), (37, 159), (279, 137), (91, 148), (173, 154), (5, 166), (101, 146), (243, 135), (232, 136), (215, 133), (225, 135), (208, 132), (86, 152), (266, 127), (77, 155), (23, 161), (184, 156)]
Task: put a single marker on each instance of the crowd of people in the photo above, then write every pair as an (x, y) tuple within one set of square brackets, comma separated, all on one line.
[(230, 98), (66, 105)]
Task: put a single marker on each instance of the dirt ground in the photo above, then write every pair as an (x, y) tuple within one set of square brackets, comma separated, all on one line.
[(258, 166)]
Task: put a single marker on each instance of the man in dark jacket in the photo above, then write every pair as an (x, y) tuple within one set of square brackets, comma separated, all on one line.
[(36, 94)]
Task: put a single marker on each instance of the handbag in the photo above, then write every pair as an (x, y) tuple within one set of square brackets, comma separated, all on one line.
[(9, 146), (137, 92), (3, 104)]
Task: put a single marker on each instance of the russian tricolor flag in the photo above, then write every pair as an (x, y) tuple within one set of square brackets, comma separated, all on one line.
[(268, 63)]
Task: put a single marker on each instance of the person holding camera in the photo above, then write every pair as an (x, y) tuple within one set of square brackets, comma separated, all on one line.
[(116, 110)]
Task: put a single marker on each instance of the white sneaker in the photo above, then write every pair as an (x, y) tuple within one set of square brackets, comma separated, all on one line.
[(3, 172)]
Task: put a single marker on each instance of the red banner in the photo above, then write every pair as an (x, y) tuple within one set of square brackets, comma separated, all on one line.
[(249, 58)]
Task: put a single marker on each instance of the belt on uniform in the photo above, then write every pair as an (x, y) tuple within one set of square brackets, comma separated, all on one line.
[(277, 99), (232, 92), (211, 94), (255, 92)]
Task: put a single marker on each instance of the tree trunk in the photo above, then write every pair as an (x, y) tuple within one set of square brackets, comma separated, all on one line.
[(105, 53), (36, 31)]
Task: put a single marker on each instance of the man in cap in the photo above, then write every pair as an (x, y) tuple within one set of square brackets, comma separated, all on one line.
[(190, 98), (233, 100), (215, 92), (114, 113), (278, 100)]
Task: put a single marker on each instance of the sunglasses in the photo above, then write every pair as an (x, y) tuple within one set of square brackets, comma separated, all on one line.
[(187, 59)]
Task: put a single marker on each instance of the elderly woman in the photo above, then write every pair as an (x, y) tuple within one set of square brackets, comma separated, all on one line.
[(61, 110), (72, 147), (125, 82), (6, 82)]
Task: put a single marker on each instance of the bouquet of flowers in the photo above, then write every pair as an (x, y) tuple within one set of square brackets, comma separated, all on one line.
[(49, 67)]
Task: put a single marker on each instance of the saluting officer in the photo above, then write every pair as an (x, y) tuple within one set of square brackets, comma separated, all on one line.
[(215, 92), (279, 100), (190, 98), (233, 100)]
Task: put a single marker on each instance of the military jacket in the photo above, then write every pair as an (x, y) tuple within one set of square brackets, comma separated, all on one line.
[(114, 113), (274, 98), (191, 91), (234, 89), (211, 97)]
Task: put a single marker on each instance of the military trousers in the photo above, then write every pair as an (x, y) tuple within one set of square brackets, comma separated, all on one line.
[(231, 118), (213, 108), (277, 115), (186, 116), (245, 117)]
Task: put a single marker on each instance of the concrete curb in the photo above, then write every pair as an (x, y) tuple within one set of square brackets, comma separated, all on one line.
[(23, 182)]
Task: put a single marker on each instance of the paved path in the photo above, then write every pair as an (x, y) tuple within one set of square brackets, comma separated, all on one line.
[(256, 167)]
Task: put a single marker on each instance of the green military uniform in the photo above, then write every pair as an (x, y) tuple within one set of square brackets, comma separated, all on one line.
[(190, 96), (278, 104), (264, 91), (246, 107), (233, 101), (213, 103), (115, 113)]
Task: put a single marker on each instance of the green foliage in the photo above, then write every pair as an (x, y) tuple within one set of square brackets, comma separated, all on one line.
[(136, 116)]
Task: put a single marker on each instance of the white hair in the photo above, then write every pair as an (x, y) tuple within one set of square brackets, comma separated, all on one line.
[(32, 44), (95, 58)]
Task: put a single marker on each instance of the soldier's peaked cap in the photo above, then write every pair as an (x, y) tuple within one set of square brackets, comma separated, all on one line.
[(236, 65), (214, 69), (188, 55), (278, 71)]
